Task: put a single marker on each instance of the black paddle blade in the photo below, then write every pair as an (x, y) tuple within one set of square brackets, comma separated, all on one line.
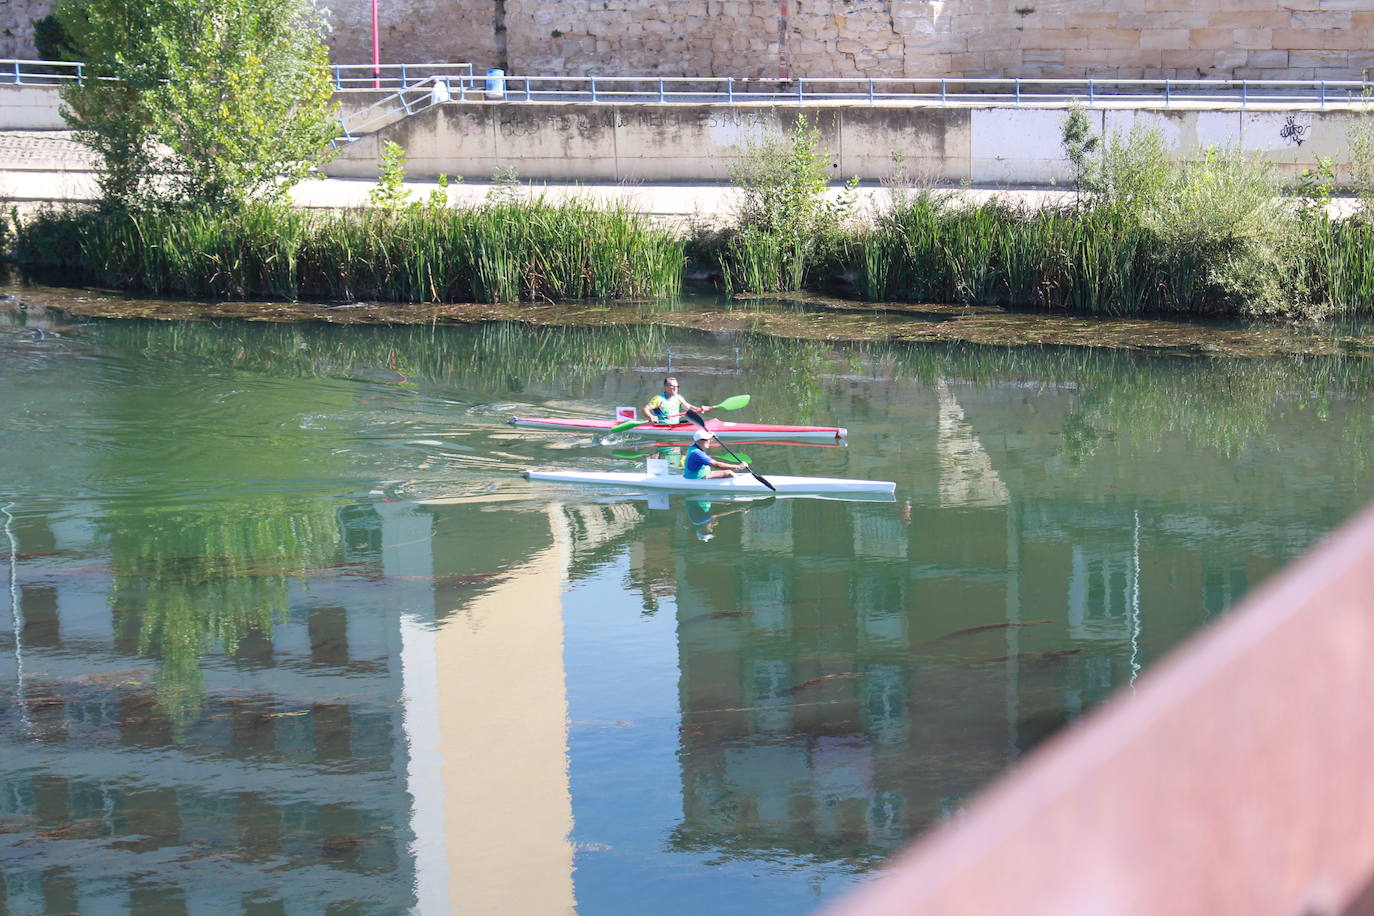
[(760, 479), (694, 417)]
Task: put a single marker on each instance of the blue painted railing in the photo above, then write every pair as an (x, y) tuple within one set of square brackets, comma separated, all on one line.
[(466, 85)]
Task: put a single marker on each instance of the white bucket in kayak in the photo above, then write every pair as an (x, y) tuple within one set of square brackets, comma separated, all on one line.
[(656, 466)]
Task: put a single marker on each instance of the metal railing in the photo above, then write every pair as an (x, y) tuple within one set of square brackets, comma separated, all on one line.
[(19, 71), (413, 99), (463, 84), (387, 77), (396, 76), (941, 90)]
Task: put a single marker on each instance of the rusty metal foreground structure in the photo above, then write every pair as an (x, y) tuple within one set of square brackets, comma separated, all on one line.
[(1239, 777)]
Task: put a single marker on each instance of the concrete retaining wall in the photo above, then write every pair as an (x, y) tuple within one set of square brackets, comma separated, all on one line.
[(1005, 144), (30, 108), (605, 142)]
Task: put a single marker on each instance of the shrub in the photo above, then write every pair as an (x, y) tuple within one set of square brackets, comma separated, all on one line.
[(787, 226), (1228, 239)]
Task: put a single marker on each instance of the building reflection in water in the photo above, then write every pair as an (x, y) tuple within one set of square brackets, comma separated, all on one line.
[(485, 709), (847, 674), (398, 733)]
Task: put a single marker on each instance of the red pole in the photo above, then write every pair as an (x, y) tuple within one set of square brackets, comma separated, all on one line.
[(783, 62), (376, 56)]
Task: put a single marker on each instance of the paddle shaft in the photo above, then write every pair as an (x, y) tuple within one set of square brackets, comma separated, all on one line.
[(696, 418)]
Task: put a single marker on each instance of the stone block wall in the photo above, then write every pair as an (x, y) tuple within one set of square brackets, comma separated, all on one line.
[(417, 31), (632, 37), (1124, 39), (16, 26)]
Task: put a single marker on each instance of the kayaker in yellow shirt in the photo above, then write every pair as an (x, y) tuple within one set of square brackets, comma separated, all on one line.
[(669, 406)]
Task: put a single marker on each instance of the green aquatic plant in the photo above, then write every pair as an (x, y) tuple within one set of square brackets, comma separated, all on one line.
[(1215, 236), (494, 252)]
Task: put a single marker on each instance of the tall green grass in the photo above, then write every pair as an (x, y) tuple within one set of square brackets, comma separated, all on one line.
[(495, 252), (933, 250), (1341, 264), (1219, 236)]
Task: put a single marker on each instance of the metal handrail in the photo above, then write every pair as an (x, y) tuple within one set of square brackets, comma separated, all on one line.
[(394, 76), (24, 71), (19, 71), (735, 90), (944, 90), (415, 98)]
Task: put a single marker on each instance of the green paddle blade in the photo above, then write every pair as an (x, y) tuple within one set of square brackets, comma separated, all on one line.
[(628, 424)]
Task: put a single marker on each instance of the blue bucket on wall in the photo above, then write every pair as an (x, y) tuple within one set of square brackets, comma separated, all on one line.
[(496, 84)]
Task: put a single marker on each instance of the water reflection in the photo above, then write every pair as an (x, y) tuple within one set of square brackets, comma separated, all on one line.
[(287, 631), (705, 515)]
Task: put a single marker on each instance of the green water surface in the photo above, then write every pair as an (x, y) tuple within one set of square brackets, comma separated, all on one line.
[(287, 631)]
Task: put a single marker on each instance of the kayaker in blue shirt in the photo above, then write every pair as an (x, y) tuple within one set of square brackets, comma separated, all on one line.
[(669, 406), (701, 466)]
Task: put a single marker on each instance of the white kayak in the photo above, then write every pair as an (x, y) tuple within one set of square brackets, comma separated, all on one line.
[(739, 484)]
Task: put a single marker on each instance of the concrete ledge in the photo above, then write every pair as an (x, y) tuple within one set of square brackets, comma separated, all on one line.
[(578, 141), (30, 108), (981, 143)]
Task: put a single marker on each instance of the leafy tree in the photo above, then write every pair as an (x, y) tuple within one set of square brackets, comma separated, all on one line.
[(788, 226), (211, 102), (50, 39), (1075, 132)]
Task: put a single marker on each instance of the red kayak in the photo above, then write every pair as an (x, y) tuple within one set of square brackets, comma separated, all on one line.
[(724, 429)]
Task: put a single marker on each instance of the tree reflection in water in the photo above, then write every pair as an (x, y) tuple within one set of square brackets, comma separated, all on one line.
[(189, 582)]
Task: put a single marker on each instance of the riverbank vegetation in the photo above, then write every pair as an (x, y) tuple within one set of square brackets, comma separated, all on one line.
[(1217, 235), (500, 251), (194, 206), (187, 102)]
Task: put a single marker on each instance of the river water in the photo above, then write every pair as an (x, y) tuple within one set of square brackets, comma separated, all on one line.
[(288, 632)]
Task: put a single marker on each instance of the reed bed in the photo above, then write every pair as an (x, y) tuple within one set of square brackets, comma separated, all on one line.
[(993, 254), (497, 252), (1087, 260), (1218, 234), (1341, 264), (1242, 255)]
